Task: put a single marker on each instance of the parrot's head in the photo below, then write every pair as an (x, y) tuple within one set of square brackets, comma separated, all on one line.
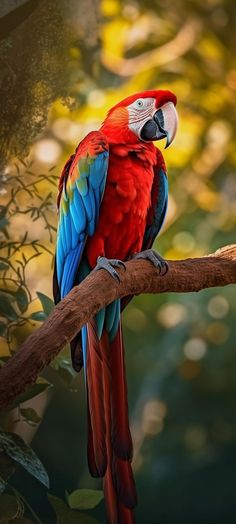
[(145, 117)]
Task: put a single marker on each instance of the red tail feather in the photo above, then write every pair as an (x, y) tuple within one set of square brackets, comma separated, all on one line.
[(90, 449), (109, 488), (125, 515), (110, 499), (97, 453), (108, 413), (121, 437), (124, 482)]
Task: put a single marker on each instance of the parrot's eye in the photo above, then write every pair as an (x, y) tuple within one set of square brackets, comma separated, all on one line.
[(139, 104)]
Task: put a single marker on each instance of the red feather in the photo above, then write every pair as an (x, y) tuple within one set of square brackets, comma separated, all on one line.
[(161, 96), (109, 488), (121, 437), (97, 449), (123, 212), (125, 515), (108, 416), (124, 482)]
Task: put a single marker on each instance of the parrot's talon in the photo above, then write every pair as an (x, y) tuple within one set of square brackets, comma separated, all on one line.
[(156, 259), (109, 265)]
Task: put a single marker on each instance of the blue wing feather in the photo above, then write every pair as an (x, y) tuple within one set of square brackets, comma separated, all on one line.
[(70, 269), (162, 204), (82, 191), (77, 212), (159, 202)]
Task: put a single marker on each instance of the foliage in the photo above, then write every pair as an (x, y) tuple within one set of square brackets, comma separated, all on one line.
[(15, 310), (16, 298), (180, 349), (84, 498), (80, 499)]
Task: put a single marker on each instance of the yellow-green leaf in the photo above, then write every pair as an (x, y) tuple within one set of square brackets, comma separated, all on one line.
[(85, 498), (30, 415)]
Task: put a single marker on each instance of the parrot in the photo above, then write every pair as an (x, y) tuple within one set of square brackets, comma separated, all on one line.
[(112, 202)]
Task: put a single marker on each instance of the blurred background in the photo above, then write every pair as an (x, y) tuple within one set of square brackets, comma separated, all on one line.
[(63, 64)]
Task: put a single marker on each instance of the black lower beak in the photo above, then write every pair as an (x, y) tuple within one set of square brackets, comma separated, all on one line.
[(149, 130), (153, 128)]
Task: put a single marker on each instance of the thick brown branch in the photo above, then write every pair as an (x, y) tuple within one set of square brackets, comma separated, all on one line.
[(98, 290)]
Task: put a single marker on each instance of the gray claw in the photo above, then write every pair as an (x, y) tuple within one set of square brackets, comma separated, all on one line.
[(108, 265), (155, 258)]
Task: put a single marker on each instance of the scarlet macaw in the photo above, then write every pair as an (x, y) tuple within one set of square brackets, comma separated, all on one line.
[(112, 203)]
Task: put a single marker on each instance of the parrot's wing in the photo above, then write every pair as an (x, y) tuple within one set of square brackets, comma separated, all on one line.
[(81, 189), (157, 211)]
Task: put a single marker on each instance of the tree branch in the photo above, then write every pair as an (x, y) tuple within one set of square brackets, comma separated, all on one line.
[(185, 39), (99, 290)]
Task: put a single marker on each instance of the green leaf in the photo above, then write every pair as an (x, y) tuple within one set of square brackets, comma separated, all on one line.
[(6, 309), (18, 450), (85, 498), (66, 515), (10, 507), (22, 299), (4, 266), (31, 392), (7, 295), (39, 316), (47, 303), (30, 415)]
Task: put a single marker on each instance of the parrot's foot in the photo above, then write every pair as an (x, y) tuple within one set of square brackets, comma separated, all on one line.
[(109, 265), (155, 258)]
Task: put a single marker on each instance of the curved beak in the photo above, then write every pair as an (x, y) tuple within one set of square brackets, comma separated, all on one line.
[(163, 124)]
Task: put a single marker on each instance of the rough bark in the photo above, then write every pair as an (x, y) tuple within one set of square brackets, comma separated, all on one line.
[(98, 290)]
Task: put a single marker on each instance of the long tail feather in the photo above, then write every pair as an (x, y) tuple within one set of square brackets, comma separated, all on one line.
[(124, 483), (92, 464), (121, 436), (110, 498), (108, 486), (125, 515), (97, 452), (109, 438)]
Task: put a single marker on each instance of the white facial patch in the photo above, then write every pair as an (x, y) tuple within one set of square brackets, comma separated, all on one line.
[(140, 112), (166, 120)]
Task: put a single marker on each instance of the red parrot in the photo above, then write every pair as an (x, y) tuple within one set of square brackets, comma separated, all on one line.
[(112, 203)]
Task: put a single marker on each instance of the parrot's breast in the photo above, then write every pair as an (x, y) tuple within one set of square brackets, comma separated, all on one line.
[(123, 211)]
